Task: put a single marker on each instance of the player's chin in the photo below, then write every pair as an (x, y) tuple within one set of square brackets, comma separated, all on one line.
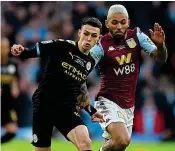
[(119, 36), (87, 47)]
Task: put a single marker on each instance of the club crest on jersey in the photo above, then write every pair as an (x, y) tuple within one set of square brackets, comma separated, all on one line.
[(131, 43), (88, 66)]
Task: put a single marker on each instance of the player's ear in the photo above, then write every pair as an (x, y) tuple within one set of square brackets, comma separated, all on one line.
[(106, 23), (79, 33)]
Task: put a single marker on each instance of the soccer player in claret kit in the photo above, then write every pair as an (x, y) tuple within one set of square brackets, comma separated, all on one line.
[(119, 53), (54, 101)]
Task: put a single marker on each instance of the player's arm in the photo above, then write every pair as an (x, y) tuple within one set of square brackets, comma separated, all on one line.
[(156, 50), (83, 100), (43, 48), (158, 37), (97, 52)]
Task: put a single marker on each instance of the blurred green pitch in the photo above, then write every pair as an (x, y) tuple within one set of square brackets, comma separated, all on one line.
[(58, 145)]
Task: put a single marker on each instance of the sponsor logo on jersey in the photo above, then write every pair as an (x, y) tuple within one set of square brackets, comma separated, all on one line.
[(131, 43), (124, 59), (76, 113), (126, 64), (73, 72), (70, 53)]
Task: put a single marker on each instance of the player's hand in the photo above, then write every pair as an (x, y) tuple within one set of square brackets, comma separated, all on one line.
[(158, 35), (83, 101), (97, 117), (16, 50)]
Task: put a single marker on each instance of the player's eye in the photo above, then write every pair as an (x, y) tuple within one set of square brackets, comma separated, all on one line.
[(123, 22), (94, 36), (86, 34), (114, 22)]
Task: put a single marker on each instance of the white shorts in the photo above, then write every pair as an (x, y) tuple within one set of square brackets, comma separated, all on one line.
[(114, 113)]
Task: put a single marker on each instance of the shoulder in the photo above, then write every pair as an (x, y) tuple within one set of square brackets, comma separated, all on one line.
[(132, 32), (59, 41), (71, 42), (106, 37)]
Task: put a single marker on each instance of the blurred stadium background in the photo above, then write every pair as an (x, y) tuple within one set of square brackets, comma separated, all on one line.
[(29, 22)]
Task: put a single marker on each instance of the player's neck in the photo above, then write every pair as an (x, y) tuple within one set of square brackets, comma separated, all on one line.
[(86, 52), (125, 36)]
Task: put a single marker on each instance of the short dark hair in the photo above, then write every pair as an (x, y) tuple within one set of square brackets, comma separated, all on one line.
[(95, 22)]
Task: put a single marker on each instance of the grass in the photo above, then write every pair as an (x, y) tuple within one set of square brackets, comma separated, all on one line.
[(57, 145)]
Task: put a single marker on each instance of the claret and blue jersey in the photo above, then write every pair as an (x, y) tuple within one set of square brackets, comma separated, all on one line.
[(119, 65)]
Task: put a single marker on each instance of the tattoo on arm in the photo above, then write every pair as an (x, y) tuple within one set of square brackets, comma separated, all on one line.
[(84, 94), (160, 54), (84, 89)]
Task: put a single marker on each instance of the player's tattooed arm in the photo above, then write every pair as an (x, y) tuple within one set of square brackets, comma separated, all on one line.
[(158, 37), (160, 54), (83, 98), (83, 102)]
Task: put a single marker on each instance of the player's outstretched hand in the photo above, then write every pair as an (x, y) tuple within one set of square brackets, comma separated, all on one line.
[(16, 50), (97, 117), (157, 35)]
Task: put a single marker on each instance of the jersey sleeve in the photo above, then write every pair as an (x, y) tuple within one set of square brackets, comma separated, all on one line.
[(145, 42), (43, 48), (47, 48), (97, 52)]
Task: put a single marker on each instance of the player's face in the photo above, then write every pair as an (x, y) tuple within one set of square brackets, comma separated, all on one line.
[(117, 25), (88, 36)]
